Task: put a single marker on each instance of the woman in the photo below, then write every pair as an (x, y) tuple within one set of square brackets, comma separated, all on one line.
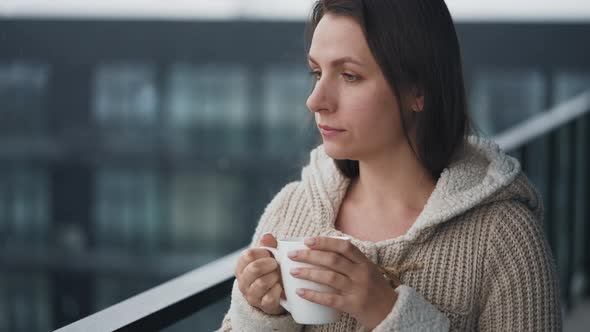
[(449, 220)]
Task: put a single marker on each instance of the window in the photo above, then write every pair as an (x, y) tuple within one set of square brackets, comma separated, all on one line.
[(24, 206), (125, 95), (24, 302), (205, 211), (23, 98), (207, 107), (287, 122), (128, 209), (207, 95)]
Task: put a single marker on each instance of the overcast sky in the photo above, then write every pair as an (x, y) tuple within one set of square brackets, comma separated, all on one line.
[(462, 10)]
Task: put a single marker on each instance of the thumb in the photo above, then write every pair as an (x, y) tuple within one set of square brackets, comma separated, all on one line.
[(268, 240)]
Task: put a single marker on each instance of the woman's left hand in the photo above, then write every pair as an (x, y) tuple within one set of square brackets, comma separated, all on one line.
[(360, 287)]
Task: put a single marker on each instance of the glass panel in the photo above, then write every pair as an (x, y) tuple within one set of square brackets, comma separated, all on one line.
[(568, 84), (125, 94), (23, 98), (205, 212), (128, 209), (207, 107), (24, 204), (288, 124), (24, 302), (110, 291), (207, 319), (501, 98)]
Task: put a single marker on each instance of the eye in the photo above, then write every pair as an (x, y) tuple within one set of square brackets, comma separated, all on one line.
[(350, 77), (316, 74)]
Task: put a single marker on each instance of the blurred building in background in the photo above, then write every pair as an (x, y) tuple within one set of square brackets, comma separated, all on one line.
[(141, 140)]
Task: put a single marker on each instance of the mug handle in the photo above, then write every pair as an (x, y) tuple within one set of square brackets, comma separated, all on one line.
[(275, 253)]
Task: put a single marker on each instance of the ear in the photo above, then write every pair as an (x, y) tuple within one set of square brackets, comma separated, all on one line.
[(417, 100)]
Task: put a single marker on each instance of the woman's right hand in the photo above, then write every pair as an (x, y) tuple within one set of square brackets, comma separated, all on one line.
[(259, 277)]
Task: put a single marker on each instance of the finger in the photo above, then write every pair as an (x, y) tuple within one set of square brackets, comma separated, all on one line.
[(262, 285), (268, 240), (248, 256), (332, 300), (325, 277), (257, 269), (338, 245), (331, 260), (272, 298)]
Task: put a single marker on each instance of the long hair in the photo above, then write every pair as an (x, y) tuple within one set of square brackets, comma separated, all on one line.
[(416, 46)]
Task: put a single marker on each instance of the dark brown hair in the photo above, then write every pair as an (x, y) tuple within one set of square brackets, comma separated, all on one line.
[(416, 46)]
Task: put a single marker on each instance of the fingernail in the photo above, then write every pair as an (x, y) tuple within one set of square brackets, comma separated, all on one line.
[(292, 253), (295, 270), (299, 291), (310, 241)]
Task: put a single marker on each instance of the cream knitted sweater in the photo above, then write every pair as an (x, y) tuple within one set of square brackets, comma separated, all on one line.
[(475, 258)]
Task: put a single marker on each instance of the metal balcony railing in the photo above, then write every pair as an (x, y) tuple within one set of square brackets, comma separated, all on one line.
[(560, 133)]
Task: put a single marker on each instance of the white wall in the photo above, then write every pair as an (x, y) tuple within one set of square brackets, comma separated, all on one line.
[(462, 10)]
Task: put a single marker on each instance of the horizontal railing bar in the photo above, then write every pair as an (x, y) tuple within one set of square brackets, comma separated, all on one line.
[(180, 310), (538, 125), (139, 309)]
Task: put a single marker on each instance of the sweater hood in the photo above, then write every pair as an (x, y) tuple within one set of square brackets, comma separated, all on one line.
[(480, 173)]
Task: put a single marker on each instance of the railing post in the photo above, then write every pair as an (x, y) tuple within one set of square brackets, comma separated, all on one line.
[(550, 199), (523, 154), (586, 215), (570, 210), (579, 277)]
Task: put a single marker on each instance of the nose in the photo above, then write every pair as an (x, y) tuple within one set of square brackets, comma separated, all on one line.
[(320, 99)]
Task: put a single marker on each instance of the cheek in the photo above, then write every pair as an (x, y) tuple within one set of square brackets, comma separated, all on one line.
[(376, 114)]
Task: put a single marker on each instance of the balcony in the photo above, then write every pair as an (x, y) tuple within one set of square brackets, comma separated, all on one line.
[(563, 126), (104, 162)]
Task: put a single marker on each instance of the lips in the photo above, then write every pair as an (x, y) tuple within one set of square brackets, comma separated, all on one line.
[(328, 131), (328, 128)]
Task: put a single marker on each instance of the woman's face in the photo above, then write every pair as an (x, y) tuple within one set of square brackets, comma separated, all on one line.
[(351, 93)]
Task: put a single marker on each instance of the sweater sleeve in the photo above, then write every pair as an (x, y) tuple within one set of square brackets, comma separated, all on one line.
[(241, 315), (412, 312), (520, 289)]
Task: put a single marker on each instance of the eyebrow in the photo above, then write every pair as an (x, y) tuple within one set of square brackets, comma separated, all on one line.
[(338, 61)]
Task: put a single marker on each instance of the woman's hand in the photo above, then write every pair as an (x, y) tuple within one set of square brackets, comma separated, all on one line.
[(259, 278), (360, 287)]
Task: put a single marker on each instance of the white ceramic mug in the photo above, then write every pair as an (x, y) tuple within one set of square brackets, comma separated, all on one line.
[(302, 310)]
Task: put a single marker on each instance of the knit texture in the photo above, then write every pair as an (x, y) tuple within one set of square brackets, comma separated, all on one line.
[(475, 258)]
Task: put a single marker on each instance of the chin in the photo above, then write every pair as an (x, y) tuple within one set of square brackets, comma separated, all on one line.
[(337, 151)]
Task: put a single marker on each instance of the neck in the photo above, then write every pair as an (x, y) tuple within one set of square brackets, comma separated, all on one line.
[(394, 180)]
